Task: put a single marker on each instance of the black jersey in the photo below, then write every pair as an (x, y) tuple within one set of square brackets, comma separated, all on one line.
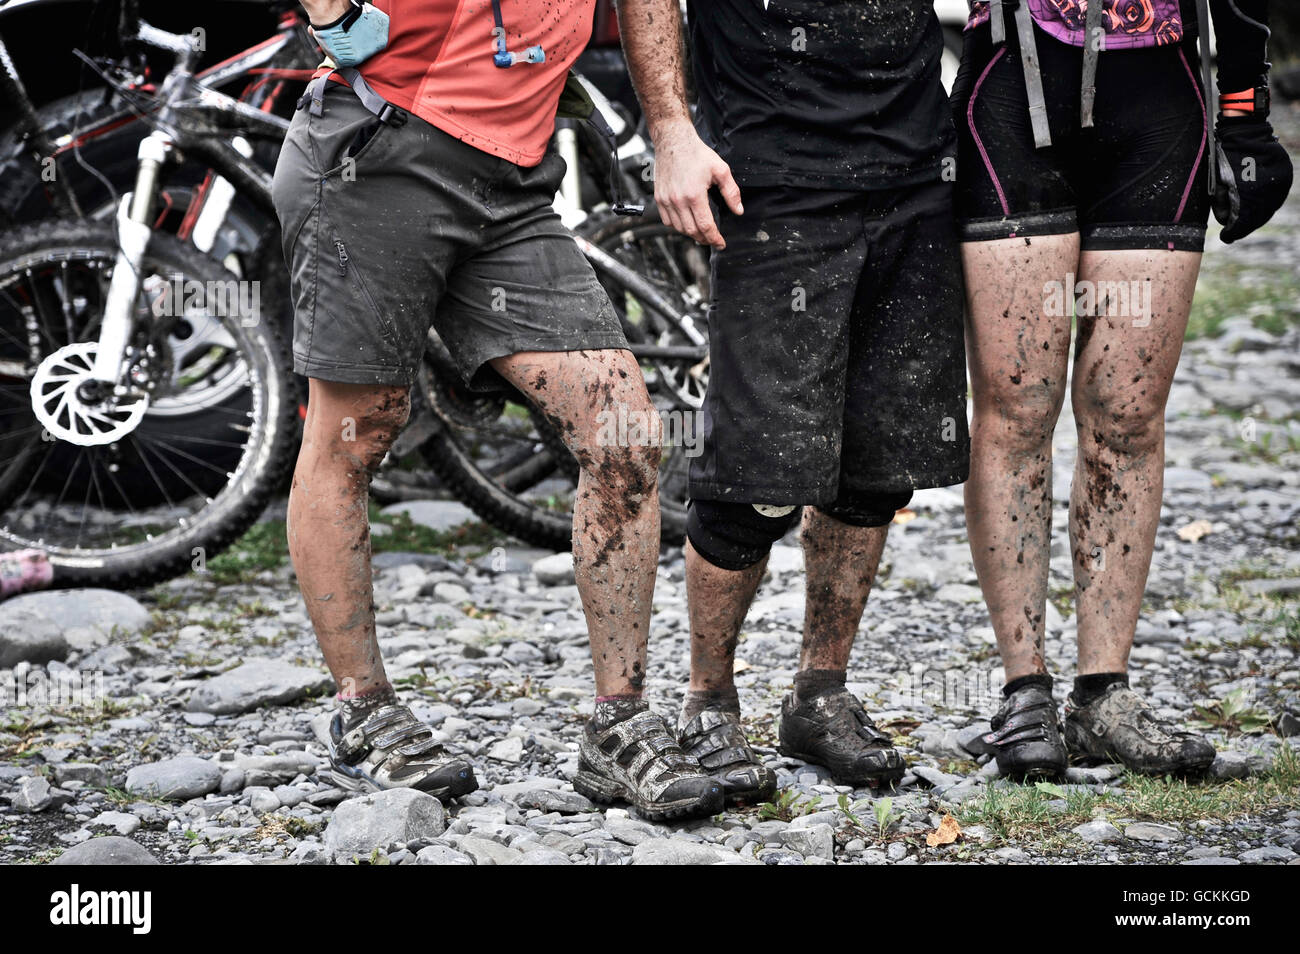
[(840, 94)]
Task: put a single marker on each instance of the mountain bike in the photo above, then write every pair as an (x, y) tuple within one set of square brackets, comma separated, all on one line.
[(147, 405)]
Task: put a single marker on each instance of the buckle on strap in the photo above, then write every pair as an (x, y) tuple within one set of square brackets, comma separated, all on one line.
[(315, 95), (386, 112)]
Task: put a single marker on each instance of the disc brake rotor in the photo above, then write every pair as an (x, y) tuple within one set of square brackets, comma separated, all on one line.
[(62, 411)]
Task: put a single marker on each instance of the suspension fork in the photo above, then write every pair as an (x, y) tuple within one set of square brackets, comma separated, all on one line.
[(133, 228)]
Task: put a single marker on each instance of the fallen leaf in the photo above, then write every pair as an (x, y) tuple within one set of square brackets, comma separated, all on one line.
[(906, 515), (947, 832), (1195, 530), (740, 666)]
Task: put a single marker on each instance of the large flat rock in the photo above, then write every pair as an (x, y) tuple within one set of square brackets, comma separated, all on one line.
[(181, 778), (39, 627), (256, 683), (397, 815), (113, 850)]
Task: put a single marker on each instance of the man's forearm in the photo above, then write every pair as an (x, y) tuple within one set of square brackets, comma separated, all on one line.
[(656, 58)]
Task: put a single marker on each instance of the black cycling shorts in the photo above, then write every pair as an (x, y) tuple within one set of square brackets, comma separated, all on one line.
[(1136, 180), (836, 350)]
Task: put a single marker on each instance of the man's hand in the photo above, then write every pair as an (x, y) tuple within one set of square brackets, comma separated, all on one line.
[(685, 169), (321, 12)]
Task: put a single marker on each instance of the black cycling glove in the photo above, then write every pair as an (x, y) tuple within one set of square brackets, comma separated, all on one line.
[(1254, 175)]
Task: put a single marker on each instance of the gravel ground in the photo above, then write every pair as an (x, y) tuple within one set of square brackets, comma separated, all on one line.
[(208, 745)]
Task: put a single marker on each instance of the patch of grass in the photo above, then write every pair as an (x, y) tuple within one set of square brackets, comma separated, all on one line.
[(1268, 295), (787, 806), (1237, 598), (1023, 813), (264, 547), (1028, 812), (29, 724), (1287, 621), (121, 797), (1269, 447), (407, 536), (164, 599), (1233, 715)]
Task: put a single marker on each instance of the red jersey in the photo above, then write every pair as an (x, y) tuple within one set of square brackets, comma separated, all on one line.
[(438, 65)]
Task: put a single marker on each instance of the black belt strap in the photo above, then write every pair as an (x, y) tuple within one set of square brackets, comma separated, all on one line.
[(1094, 38)]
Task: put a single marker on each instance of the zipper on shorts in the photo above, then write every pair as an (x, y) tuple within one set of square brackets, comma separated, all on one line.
[(343, 257)]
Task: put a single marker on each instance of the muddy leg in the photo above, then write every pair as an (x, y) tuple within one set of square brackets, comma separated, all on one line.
[(348, 430), (1018, 351), (841, 562), (717, 601), (1122, 374), (616, 511)]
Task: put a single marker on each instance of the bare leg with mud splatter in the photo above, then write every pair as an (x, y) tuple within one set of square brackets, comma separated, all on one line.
[(841, 563), (627, 752), (1123, 371), (374, 741), (1018, 358), (717, 601), (1131, 316), (348, 430), (616, 510)]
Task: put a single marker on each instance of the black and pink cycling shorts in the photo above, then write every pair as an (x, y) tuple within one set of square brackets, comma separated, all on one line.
[(1136, 180)]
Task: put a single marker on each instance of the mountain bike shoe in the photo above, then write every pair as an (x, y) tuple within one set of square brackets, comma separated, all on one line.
[(1120, 726), (637, 760), (716, 739), (391, 748), (834, 730), (1026, 736)]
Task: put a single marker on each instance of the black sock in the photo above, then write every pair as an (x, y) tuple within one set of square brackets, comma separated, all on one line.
[(811, 683), (1033, 679), (614, 709), (355, 709), (1093, 686), (695, 702)]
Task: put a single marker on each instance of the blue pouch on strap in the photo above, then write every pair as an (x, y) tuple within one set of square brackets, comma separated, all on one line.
[(356, 36)]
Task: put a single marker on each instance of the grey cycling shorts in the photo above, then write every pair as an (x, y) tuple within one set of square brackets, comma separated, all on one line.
[(389, 230)]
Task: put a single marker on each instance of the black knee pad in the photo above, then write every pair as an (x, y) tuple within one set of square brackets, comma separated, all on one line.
[(859, 509), (735, 536)]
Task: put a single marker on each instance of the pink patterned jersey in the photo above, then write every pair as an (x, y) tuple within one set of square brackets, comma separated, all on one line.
[(1129, 24)]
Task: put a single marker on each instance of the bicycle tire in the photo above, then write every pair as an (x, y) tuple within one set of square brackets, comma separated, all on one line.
[(271, 434), (497, 505)]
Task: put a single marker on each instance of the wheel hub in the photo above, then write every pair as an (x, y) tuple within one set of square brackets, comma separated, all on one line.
[(60, 390)]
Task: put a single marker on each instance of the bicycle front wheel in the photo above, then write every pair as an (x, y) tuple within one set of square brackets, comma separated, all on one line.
[(156, 479)]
